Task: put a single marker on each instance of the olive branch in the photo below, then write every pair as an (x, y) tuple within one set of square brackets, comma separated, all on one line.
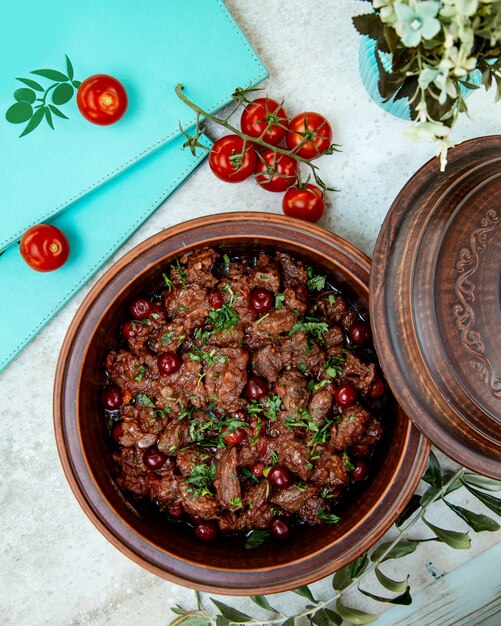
[(334, 611), (32, 105)]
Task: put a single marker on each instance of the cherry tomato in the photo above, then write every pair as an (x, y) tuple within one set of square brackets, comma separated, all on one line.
[(235, 437), (307, 203), (313, 128), (231, 160), (279, 477), (265, 114), (261, 300), (44, 248), (102, 99), (276, 174), (168, 362), (346, 395), (111, 398)]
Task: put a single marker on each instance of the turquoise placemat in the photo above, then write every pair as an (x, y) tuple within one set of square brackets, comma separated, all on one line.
[(149, 46), (96, 226)]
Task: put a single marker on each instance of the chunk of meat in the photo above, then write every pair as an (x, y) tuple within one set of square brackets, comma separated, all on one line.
[(134, 475), (321, 404), (266, 274), (205, 506), (187, 459), (372, 435), (296, 298), (165, 489), (268, 362), (311, 509), (361, 374), (293, 272), (131, 373), (189, 306), (301, 352), (329, 469), (336, 310), (174, 436), (292, 387), (293, 498), (227, 483), (175, 391), (226, 378), (269, 327), (293, 453), (352, 425), (334, 341), (257, 512)]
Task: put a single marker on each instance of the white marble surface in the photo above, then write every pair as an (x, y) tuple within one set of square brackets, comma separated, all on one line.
[(55, 568)]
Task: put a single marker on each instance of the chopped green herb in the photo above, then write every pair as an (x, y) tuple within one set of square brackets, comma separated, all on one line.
[(193, 357), (279, 300), (315, 282), (249, 474), (348, 465), (329, 518), (155, 316), (302, 367), (140, 373), (331, 298), (274, 402), (311, 326), (253, 408), (255, 538), (227, 260), (274, 457), (182, 309), (143, 400), (221, 358), (167, 338), (168, 282), (202, 476), (159, 413), (333, 366), (236, 503), (223, 318), (263, 317), (182, 274)]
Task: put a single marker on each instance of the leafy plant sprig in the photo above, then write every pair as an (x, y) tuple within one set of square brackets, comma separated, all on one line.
[(32, 103), (334, 611), (239, 97)]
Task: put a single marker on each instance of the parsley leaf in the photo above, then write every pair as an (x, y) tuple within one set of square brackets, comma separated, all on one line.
[(143, 400), (279, 300), (329, 518), (202, 477), (236, 503), (182, 274), (140, 373), (274, 403), (255, 538), (168, 282), (315, 282), (311, 326)]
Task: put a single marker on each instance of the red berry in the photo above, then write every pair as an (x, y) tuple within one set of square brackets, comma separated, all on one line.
[(261, 300), (279, 528), (141, 307), (117, 432), (279, 477), (175, 510), (206, 531), (262, 446), (346, 395), (234, 437), (377, 389), (132, 329), (256, 388), (216, 300), (360, 333), (154, 459), (361, 470), (111, 398), (168, 363), (257, 469)]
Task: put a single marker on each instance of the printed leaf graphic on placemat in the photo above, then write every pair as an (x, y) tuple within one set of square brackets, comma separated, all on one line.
[(31, 102)]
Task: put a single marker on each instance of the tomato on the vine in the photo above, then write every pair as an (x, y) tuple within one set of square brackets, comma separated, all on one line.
[(312, 129), (265, 114), (44, 248), (306, 203), (276, 172), (232, 159), (102, 99)]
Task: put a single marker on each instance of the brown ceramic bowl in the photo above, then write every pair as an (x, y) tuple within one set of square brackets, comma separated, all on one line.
[(137, 528)]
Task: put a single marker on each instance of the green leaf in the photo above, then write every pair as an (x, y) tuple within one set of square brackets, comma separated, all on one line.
[(404, 547), (234, 615), (57, 112), (404, 598), (492, 503), (428, 495), (31, 83), (76, 83), (392, 585), (69, 67), (25, 95), (48, 117), (345, 575), (455, 484), (433, 474), (62, 93), (454, 539), (354, 615), (178, 610), (305, 592), (482, 482), (326, 617), (412, 507), (263, 603), (477, 521), (256, 538), (289, 621), (222, 621), (19, 113), (52, 75), (34, 121), (143, 400), (368, 24), (193, 618)]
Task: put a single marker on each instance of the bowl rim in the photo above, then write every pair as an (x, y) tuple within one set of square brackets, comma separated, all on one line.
[(415, 450)]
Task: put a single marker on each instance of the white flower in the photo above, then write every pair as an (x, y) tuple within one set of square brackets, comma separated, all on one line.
[(439, 76), (458, 61), (387, 13), (459, 8), (427, 130), (417, 22)]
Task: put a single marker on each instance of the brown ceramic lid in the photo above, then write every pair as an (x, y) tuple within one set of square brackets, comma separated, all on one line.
[(436, 303)]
